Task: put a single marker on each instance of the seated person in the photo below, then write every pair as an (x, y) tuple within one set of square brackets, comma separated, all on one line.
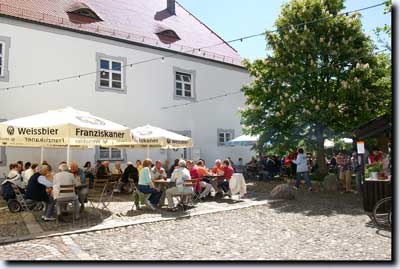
[(79, 176), (64, 177), (180, 175), (89, 173), (193, 174), (269, 169), (218, 169), (117, 169), (130, 172), (103, 171), (158, 172), (139, 165), (146, 186), (172, 168), (201, 171), (228, 172), (36, 191), (13, 177)]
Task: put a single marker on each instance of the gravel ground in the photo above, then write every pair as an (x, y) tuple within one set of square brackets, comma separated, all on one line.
[(315, 226)]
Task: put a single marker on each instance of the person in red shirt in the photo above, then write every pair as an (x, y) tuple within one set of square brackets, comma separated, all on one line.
[(194, 174), (228, 172)]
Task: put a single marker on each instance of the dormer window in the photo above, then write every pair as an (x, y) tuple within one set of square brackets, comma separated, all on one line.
[(82, 14), (168, 36)]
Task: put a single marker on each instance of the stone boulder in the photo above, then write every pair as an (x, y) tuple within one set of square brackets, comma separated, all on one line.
[(283, 191), (330, 183)]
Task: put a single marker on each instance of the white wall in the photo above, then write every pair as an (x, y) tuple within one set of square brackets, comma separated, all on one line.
[(41, 53)]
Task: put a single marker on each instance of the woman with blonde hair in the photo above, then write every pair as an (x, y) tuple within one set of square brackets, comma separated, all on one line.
[(146, 185)]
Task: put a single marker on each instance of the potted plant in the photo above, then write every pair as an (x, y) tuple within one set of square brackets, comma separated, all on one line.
[(374, 169)]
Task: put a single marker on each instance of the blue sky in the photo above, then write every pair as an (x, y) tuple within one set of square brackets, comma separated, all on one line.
[(235, 18)]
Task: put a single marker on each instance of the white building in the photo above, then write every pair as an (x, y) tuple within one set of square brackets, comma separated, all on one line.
[(43, 40)]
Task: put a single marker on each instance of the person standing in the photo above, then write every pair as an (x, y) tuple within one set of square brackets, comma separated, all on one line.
[(356, 166), (302, 170)]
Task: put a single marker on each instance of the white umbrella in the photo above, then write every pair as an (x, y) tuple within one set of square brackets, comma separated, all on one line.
[(62, 128), (244, 140), (149, 136)]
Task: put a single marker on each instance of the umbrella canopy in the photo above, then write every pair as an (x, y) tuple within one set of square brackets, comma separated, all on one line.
[(150, 136), (60, 128), (244, 140)]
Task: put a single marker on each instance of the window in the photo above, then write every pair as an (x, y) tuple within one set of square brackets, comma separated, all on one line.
[(225, 135), (111, 73), (81, 13), (184, 84), (110, 154), (4, 55)]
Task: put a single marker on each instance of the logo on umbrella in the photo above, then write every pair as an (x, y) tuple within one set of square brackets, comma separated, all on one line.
[(10, 130), (91, 120), (145, 132)]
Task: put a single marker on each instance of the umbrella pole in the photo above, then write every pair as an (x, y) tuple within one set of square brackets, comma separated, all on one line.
[(41, 154), (68, 153)]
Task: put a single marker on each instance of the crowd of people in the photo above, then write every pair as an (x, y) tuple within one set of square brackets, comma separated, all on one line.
[(42, 183)]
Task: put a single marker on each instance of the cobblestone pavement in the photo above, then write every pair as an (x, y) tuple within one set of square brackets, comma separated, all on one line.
[(315, 226)]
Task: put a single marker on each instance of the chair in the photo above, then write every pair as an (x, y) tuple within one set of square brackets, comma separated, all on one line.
[(73, 200), (187, 199), (21, 200), (101, 193), (26, 205), (139, 197)]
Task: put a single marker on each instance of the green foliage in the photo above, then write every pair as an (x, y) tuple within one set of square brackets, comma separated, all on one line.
[(375, 167), (322, 78)]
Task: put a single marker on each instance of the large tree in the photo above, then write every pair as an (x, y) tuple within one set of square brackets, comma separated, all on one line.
[(320, 79)]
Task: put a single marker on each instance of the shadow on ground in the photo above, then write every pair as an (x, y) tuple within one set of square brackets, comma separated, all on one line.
[(309, 203)]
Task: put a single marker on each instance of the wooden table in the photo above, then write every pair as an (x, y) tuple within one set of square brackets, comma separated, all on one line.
[(375, 190)]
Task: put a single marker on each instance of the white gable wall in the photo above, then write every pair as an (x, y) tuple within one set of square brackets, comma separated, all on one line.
[(39, 53)]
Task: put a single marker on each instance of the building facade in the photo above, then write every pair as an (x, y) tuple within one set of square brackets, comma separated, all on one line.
[(139, 68)]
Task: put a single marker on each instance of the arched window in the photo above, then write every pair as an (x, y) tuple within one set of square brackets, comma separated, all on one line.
[(80, 13), (168, 36)]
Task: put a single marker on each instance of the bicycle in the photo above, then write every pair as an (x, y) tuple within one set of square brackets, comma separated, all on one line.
[(382, 213)]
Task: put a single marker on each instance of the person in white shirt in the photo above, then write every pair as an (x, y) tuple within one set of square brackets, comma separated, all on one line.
[(64, 177), (14, 176), (158, 172), (29, 171), (302, 170), (117, 169), (180, 175)]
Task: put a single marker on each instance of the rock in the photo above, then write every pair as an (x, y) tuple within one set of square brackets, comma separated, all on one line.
[(330, 183), (283, 191)]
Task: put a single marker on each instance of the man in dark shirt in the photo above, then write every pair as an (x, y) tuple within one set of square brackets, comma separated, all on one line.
[(36, 191), (104, 170)]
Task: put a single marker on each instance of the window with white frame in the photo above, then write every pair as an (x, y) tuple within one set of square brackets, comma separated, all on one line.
[(184, 84), (110, 154), (225, 135), (5, 44), (111, 74)]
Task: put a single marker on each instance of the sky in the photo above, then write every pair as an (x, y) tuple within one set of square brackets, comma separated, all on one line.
[(233, 19)]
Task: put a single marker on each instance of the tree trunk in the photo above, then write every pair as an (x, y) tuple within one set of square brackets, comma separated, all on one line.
[(322, 168)]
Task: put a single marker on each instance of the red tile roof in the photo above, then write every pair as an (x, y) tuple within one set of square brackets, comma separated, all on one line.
[(133, 20)]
